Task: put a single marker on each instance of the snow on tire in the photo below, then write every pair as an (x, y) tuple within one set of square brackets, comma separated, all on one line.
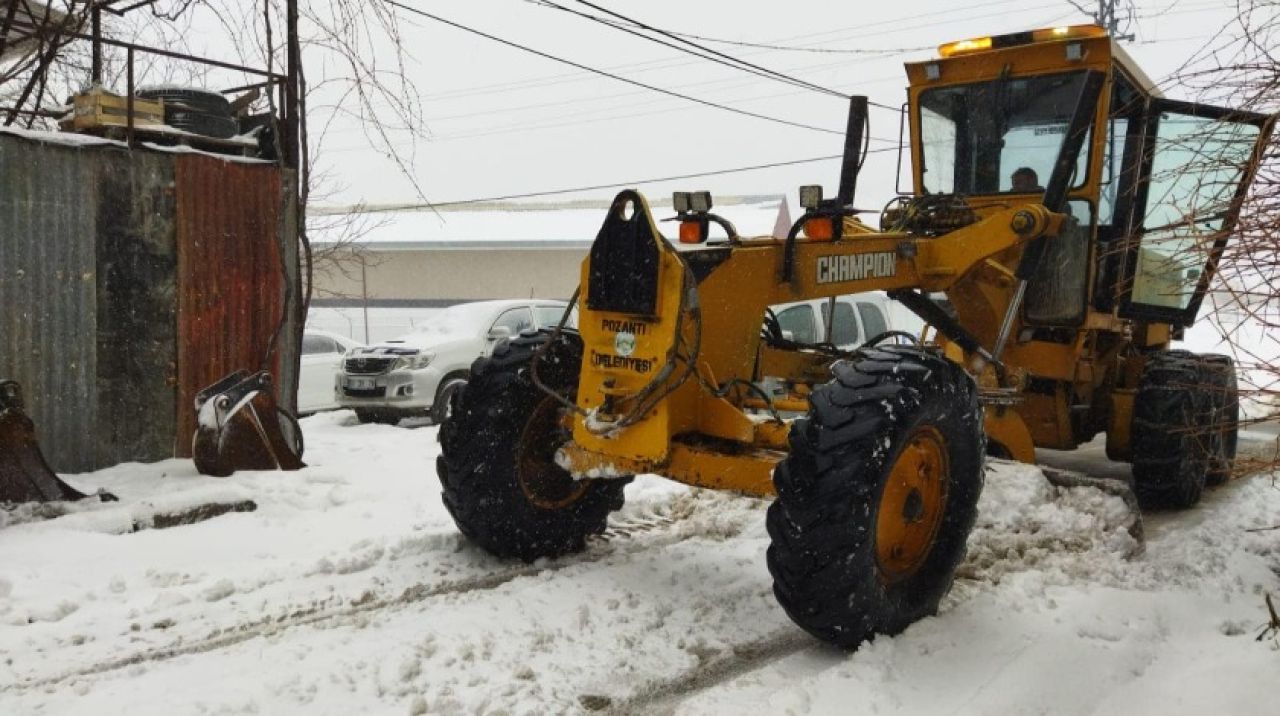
[(1224, 425), (877, 496), (497, 467), (1169, 445)]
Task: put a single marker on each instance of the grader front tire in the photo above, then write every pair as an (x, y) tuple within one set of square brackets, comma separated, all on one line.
[(497, 460), (878, 495)]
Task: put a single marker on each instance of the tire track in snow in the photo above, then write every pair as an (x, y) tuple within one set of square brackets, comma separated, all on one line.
[(618, 540), (665, 696)]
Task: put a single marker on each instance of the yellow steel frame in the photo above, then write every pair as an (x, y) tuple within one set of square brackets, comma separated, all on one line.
[(708, 437), (700, 438)]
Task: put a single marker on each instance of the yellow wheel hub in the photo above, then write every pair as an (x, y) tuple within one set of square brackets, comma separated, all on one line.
[(912, 504), (544, 483)]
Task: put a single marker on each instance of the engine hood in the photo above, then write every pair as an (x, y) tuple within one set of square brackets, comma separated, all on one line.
[(413, 345)]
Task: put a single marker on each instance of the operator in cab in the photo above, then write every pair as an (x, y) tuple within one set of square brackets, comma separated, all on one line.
[(1025, 181)]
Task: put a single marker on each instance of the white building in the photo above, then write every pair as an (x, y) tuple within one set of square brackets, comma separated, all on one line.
[(403, 263)]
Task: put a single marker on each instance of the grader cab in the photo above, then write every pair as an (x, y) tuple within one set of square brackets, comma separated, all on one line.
[(1071, 216)]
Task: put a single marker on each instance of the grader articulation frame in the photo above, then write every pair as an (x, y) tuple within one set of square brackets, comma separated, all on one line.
[(1065, 299)]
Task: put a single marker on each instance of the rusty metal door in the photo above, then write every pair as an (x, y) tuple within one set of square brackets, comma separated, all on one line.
[(231, 276)]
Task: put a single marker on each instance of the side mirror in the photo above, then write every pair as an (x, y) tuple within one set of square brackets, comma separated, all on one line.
[(499, 332), (788, 335)]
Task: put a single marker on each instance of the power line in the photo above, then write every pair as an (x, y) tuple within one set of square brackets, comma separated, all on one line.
[(621, 22), (628, 112), (874, 53), (575, 118), (612, 185), (610, 75), (715, 85), (669, 63), (747, 66)]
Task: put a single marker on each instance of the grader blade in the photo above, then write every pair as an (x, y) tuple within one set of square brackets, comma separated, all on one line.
[(239, 427), (1069, 479), (24, 474)]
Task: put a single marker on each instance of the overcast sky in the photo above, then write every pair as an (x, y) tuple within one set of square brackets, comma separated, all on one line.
[(506, 122)]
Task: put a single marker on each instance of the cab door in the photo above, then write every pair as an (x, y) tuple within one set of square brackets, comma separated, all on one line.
[(1198, 164)]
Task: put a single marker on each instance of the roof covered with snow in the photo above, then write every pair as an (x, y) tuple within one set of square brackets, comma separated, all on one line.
[(516, 224), (77, 139)]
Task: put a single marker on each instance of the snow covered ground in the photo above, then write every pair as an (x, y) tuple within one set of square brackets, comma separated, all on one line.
[(349, 591)]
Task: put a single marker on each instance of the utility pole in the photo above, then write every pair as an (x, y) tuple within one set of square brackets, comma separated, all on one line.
[(1110, 15)]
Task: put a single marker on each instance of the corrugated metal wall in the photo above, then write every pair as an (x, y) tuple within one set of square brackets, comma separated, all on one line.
[(117, 265), (137, 279), (48, 292), (231, 279)]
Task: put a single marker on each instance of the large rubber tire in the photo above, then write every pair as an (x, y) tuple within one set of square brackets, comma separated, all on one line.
[(442, 404), (826, 553), (1224, 397), (202, 123), (486, 451), (193, 97), (195, 110), (1169, 446)]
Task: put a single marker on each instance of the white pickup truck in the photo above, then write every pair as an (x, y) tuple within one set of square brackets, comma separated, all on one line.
[(416, 373), (857, 318)]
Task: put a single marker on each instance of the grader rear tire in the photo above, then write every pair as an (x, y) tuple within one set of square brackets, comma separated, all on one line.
[(1224, 397), (1170, 440), (878, 495), (497, 461)]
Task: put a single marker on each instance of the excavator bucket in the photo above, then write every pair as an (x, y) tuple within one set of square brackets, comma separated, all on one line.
[(24, 474), (239, 426)]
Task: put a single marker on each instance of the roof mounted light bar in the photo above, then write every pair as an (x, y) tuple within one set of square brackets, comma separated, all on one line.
[(996, 42)]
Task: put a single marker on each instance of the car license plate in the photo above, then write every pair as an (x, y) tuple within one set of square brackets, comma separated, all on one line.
[(360, 383)]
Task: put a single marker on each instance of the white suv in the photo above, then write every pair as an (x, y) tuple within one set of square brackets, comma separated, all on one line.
[(416, 374)]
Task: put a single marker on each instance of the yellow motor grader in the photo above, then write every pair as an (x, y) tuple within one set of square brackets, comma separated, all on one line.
[(1071, 217)]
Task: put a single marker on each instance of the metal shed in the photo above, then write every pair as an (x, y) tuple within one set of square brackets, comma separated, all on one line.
[(131, 279)]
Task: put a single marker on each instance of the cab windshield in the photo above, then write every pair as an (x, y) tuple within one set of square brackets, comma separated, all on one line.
[(998, 136)]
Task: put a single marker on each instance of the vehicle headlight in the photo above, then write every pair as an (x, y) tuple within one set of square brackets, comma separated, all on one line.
[(415, 362)]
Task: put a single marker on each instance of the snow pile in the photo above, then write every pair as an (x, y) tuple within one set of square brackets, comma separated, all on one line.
[(349, 591), (461, 321), (1025, 523)]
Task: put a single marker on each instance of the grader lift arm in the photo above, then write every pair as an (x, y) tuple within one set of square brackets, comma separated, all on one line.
[(1066, 297)]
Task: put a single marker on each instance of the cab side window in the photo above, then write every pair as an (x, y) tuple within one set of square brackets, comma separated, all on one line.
[(517, 319)]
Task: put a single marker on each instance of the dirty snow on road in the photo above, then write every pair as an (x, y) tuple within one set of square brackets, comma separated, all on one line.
[(349, 591)]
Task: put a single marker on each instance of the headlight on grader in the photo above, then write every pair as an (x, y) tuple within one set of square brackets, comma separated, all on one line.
[(692, 208), (811, 196), (697, 202)]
